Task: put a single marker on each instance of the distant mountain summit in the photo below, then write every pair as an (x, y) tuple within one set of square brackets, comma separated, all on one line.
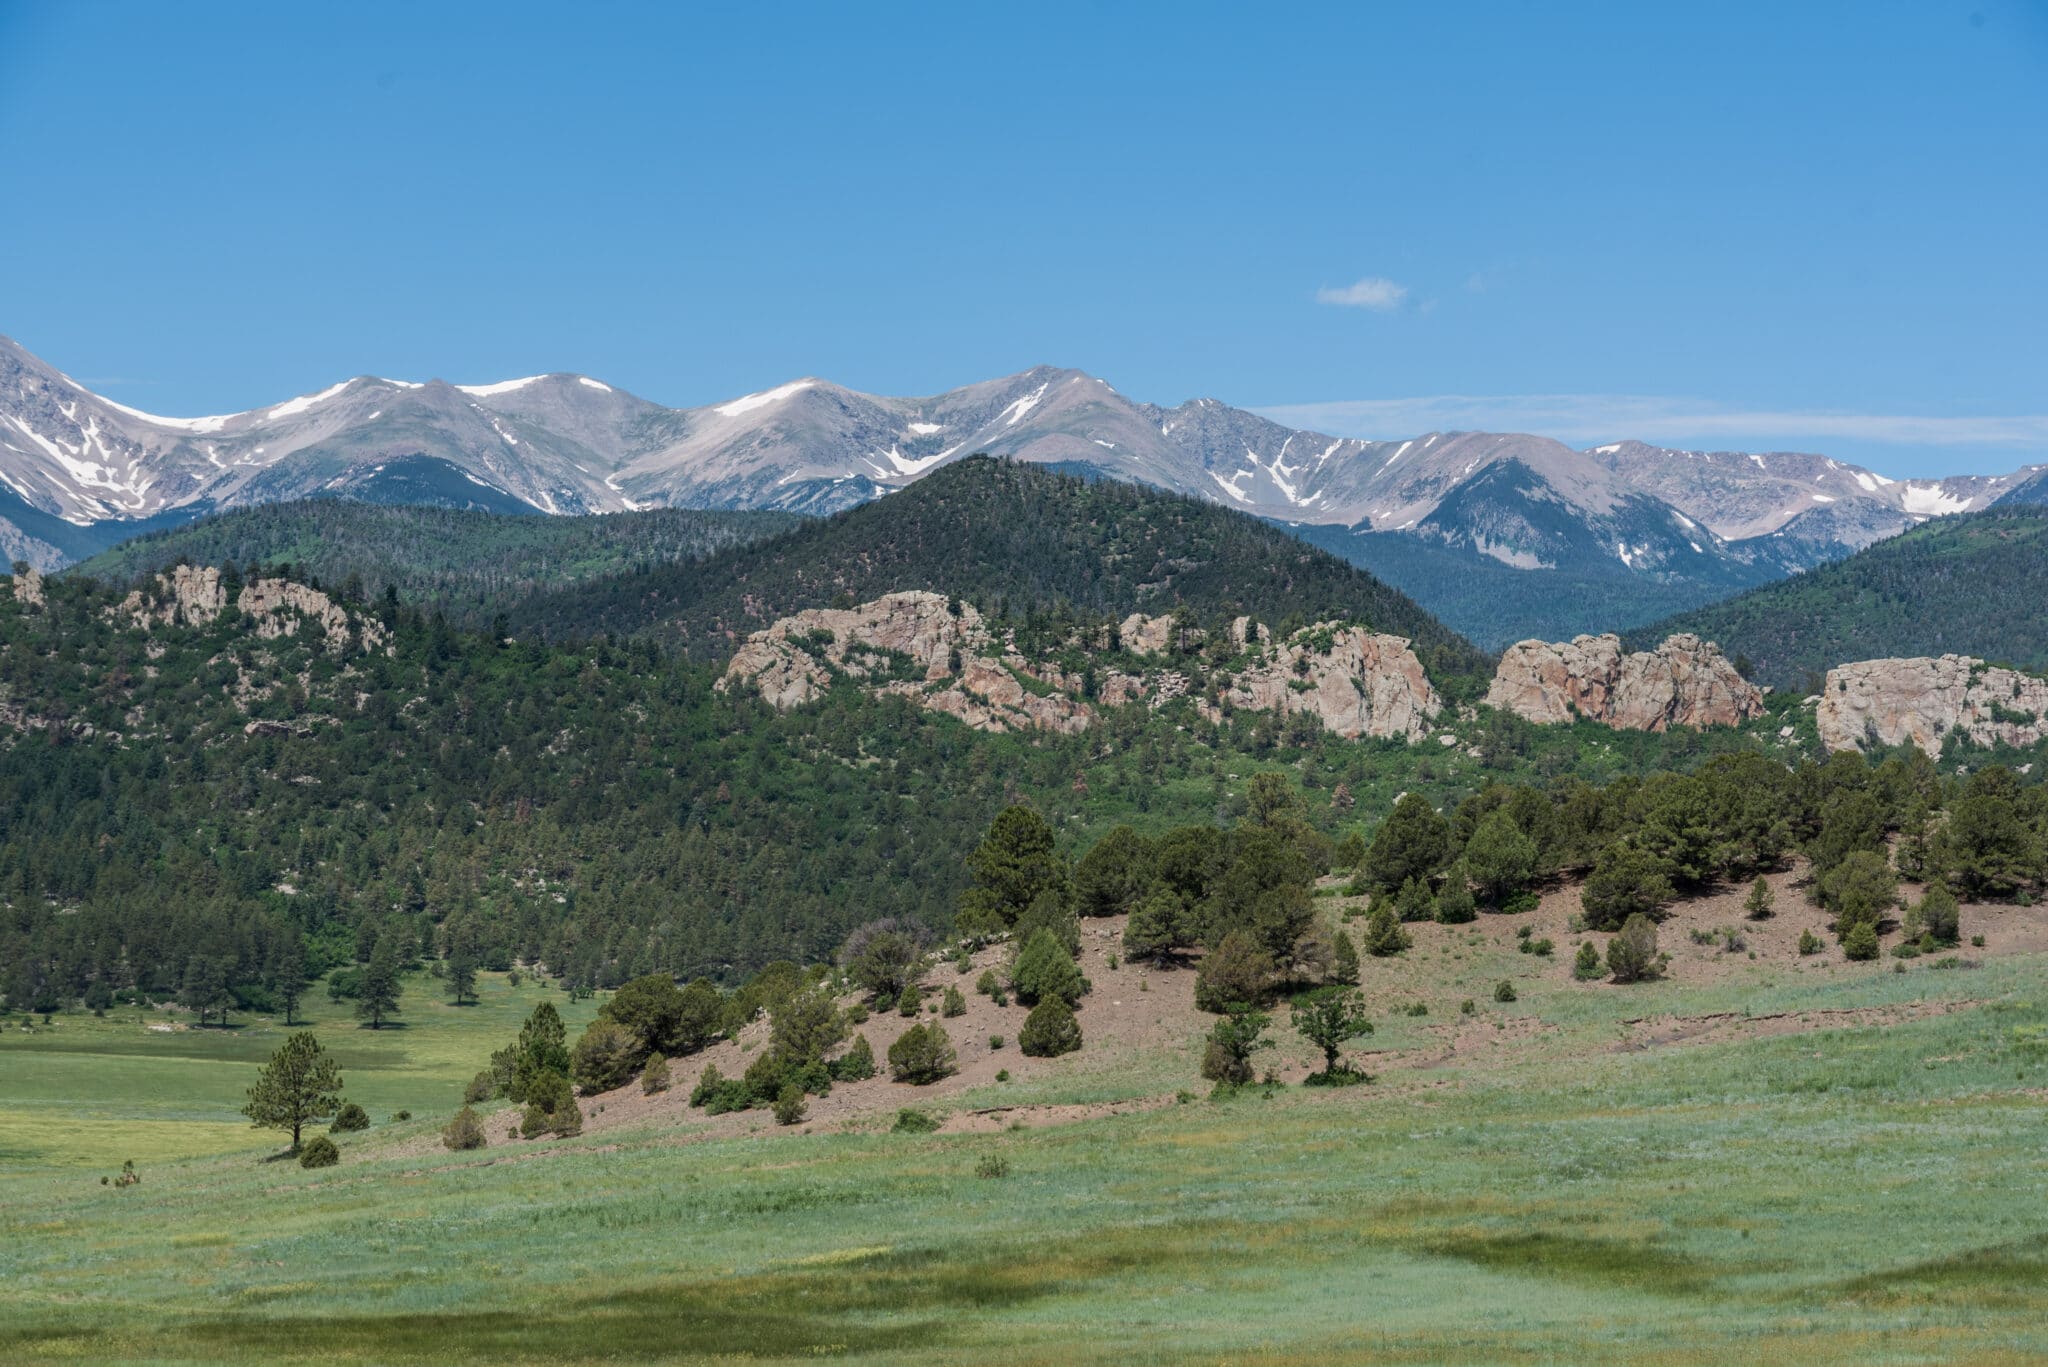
[(1471, 503)]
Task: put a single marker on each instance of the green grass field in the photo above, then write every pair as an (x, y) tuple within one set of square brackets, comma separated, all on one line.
[(1876, 1194)]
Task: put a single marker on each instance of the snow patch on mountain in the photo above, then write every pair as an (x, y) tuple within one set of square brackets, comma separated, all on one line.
[(484, 391), (748, 403), (291, 407)]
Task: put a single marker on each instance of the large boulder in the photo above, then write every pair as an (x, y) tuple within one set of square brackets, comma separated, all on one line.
[(1923, 699), (1683, 682), (1356, 682)]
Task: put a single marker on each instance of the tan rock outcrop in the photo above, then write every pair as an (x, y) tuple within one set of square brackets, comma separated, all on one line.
[(27, 587), (792, 661), (275, 607), (989, 697), (1923, 699), (1683, 682), (1142, 635), (1356, 682), (1246, 634)]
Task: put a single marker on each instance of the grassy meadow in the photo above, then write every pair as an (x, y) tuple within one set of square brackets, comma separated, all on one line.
[(1866, 1194)]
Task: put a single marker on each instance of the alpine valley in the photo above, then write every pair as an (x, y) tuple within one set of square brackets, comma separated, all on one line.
[(1502, 536)]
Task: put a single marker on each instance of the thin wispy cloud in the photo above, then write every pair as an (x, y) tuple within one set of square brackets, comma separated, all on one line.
[(1612, 417), (1374, 292)]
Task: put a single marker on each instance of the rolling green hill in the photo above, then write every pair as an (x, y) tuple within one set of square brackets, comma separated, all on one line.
[(1967, 585), (1018, 540), (469, 564)]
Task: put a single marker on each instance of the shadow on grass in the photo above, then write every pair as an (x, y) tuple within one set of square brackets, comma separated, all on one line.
[(1598, 1262), (878, 1304)]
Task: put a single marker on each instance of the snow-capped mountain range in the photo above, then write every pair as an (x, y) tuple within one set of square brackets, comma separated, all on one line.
[(74, 464)]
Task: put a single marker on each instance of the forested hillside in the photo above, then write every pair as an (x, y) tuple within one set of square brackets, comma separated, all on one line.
[(1494, 604), (187, 792), (1967, 585), (1017, 540), (468, 564)]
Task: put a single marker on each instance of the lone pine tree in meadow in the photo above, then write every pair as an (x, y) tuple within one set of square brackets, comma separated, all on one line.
[(380, 986), (299, 1085), (462, 958)]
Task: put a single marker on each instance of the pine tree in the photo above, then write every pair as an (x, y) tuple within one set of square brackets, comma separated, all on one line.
[(1050, 1030), (465, 1131), (1413, 842), (299, 1085), (462, 972), (1383, 933), (380, 988), (1632, 953), (1234, 972), (1227, 1056), (205, 988), (1937, 917), (1344, 960), (290, 985), (922, 1054), (1860, 942), (1761, 900), (542, 1051), (1156, 926), (1045, 969), (1586, 966), (857, 1064), (790, 1106)]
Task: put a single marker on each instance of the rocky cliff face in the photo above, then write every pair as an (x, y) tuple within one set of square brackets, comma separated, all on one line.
[(915, 645), (1683, 682), (1922, 700), (274, 607), (1356, 682), (793, 661)]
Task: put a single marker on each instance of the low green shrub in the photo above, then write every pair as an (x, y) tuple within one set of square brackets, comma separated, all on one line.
[(465, 1131)]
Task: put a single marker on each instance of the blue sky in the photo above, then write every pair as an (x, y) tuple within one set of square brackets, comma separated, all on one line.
[(1804, 226)]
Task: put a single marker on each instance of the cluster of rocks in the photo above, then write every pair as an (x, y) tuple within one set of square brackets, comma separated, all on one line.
[(958, 666), (1683, 682), (1923, 700), (1353, 681), (275, 607)]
